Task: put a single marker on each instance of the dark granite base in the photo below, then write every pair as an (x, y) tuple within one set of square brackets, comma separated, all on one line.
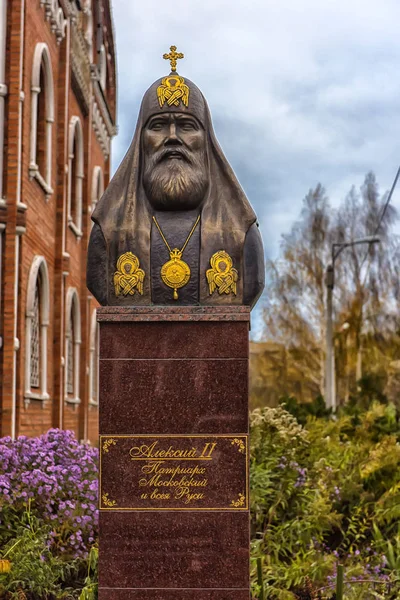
[(174, 371), (170, 550), (126, 594), (173, 396), (177, 340)]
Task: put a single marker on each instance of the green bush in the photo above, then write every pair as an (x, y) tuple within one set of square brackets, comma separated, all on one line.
[(322, 493)]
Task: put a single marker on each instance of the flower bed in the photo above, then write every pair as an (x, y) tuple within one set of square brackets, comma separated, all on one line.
[(324, 492), (48, 501)]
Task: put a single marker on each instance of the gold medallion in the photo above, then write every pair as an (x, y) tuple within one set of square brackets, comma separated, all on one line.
[(222, 275), (128, 278), (175, 273)]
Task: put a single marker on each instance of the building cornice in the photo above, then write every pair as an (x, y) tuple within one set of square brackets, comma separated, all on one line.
[(100, 129), (55, 15), (80, 62)]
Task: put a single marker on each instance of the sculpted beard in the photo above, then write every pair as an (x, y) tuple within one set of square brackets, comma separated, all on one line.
[(175, 184)]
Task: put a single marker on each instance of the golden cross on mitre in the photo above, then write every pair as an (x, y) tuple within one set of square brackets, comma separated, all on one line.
[(173, 56)]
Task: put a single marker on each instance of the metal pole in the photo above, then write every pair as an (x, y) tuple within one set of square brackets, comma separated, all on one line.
[(260, 579), (330, 380), (330, 399), (339, 582)]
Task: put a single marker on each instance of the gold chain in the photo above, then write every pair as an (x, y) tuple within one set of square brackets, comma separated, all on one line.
[(175, 273), (187, 239)]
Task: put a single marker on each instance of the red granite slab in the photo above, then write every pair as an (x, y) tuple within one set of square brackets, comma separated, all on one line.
[(173, 396), (180, 371), (173, 313), (174, 472), (168, 550), (190, 594), (174, 340)]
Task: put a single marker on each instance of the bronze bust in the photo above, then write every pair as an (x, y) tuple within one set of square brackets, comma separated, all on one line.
[(174, 226)]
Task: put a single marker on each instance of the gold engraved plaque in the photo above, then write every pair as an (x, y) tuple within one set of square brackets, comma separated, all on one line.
[(174, 472), (222, 276), (128, 278)]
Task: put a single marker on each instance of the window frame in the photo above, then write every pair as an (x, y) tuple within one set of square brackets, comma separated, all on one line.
[(38, 268), (97, 187), (72, 312), (42, 59), (94, 360), (75, 132), (102, 66)]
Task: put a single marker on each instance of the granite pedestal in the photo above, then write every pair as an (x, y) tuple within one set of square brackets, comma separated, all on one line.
[(174, 515)]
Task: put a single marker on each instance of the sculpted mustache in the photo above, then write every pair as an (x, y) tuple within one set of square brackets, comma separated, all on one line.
[(167, 151)]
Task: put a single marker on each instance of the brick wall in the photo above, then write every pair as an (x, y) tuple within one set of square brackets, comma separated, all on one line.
[(37, 221)]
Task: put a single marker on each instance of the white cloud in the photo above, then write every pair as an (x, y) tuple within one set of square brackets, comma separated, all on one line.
[(300, 92)]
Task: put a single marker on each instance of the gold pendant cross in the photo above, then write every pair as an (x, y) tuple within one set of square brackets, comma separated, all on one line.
[(173, 56)]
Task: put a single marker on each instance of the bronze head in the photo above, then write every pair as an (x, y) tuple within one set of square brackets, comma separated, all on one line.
[(174, 155)]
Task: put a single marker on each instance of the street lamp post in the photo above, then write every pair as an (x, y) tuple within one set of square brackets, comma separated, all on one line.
[(337, 248)]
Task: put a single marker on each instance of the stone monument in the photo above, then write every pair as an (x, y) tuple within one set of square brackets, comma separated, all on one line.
[(176, 261)]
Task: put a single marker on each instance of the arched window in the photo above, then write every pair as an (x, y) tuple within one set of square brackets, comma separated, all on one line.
[(97, 186), (35, 336), (37, 321), (75, 176), (103, 67), (94, 361), (42, 118), (72, 346)]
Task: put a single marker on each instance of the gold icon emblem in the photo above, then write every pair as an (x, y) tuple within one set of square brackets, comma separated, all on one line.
[(175, 273), (172, 90), (222, 275), (128, 278)]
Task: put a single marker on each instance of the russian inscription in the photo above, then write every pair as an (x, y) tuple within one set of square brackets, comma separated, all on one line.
[(191, 472)]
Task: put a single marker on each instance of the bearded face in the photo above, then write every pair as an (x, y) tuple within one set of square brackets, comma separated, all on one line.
[(175, 174)]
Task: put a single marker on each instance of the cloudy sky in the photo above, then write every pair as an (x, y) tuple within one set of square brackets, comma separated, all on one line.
[(301, 91)]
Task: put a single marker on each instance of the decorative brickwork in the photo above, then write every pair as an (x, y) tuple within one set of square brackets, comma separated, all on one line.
[(58, 123)]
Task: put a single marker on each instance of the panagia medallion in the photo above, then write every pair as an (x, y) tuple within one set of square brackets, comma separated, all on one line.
[(175, 273)]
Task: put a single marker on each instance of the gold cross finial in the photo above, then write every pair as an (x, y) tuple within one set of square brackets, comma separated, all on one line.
[(173, 56)]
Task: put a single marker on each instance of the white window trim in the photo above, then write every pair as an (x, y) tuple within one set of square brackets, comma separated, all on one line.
[(2, 228), (97, 187), (103, 68), (94, 346), (39, 265), (72, 310), (75, 129), (42, 57)]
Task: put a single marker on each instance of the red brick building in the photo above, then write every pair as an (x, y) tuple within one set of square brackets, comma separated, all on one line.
[(57, 119)]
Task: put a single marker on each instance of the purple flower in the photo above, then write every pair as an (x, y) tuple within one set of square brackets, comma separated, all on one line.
[(59, 475)]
